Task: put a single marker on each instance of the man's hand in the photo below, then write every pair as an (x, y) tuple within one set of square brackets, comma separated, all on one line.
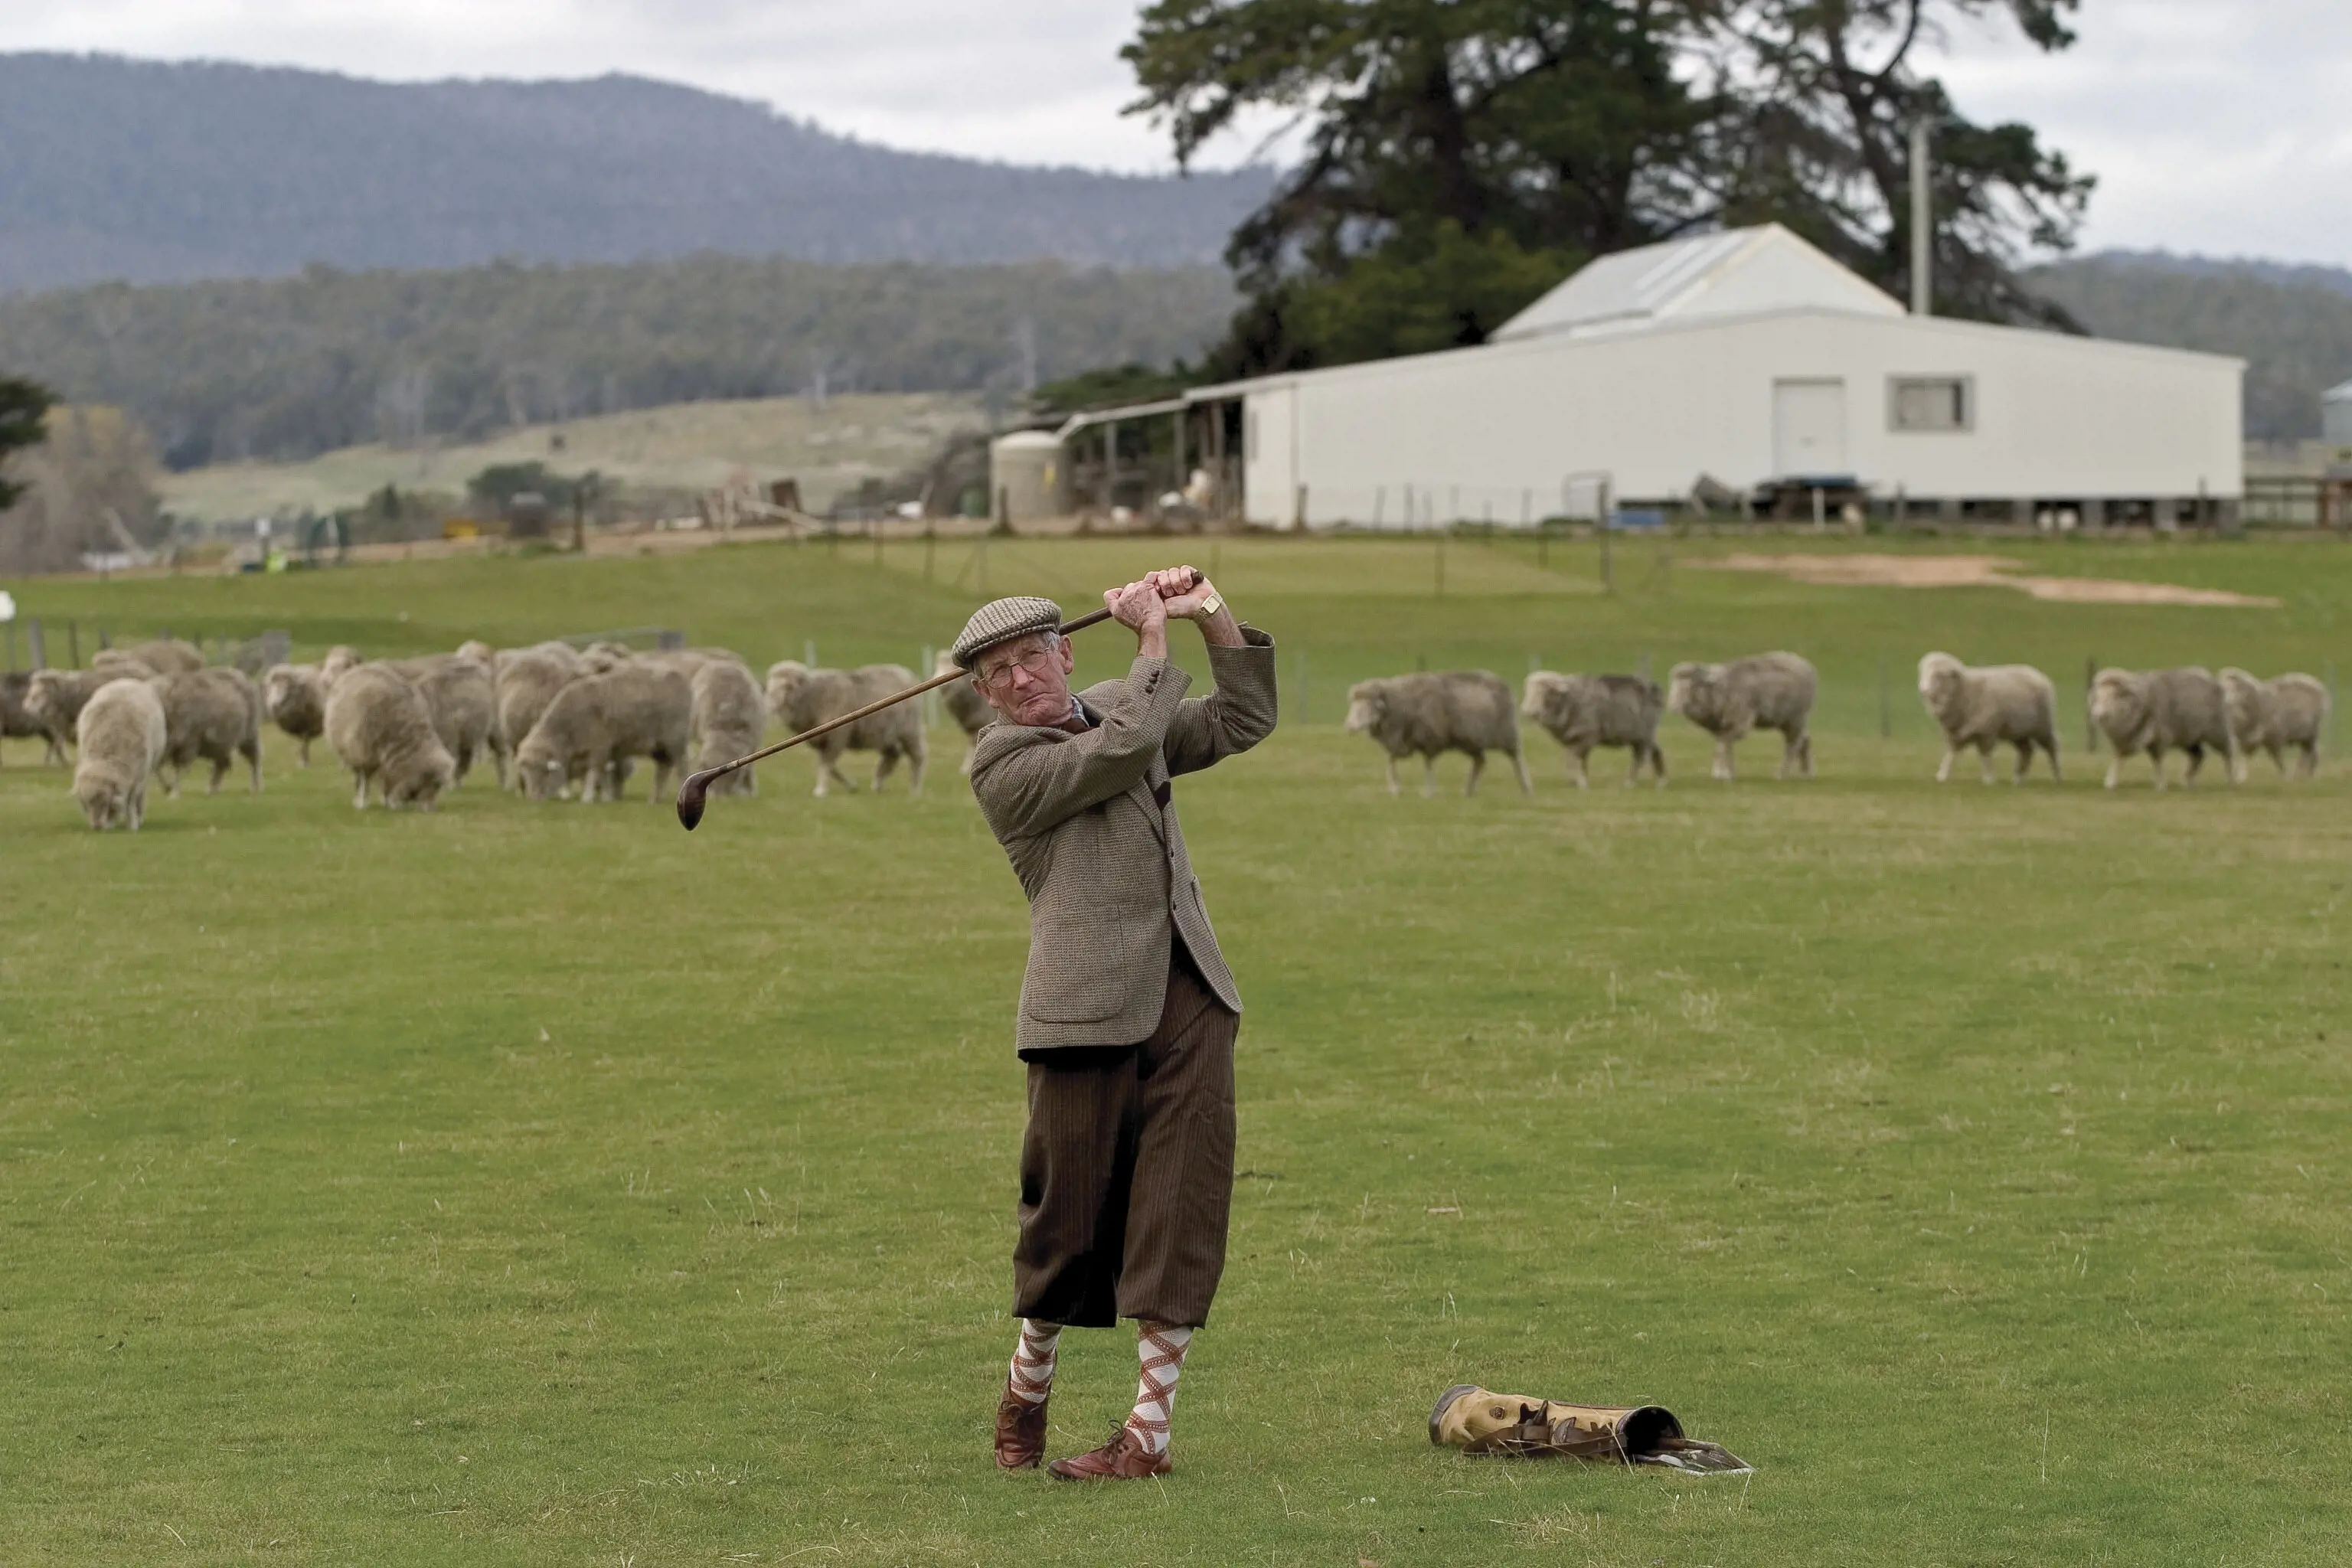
[(1140, 607), (1188, 592)]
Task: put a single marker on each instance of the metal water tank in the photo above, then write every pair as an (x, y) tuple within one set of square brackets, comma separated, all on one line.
[(1028, 477), (2336, 416)]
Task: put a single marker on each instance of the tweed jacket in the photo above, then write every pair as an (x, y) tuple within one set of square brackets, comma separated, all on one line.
[(1100, 857)]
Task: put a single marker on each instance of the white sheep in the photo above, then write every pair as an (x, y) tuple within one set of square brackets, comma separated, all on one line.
[(595, 724), (802, 698), (1465, 711), (18, 721), (1765, 692), (2289, 714), (729, 715), (212, 714), (2158, 710), (462, 696), (964, 704), (1582, 711), (1988, 706), (382, 729), (295, 699), (121, 732)]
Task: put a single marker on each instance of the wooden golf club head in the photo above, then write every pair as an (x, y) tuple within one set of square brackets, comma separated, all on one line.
[(693, 796)]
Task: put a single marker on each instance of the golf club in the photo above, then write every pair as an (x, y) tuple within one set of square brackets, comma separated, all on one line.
[(695, 793)]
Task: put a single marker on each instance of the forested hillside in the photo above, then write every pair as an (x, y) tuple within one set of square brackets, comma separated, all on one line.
[(2292, 325), (286, 368), (147, 171)]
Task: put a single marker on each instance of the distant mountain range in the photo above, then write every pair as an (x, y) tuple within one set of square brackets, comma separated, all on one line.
[(2291, 323), (2338, 280), (115, 169)]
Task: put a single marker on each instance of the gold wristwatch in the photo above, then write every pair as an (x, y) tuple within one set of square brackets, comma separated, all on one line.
[(1209, 607)]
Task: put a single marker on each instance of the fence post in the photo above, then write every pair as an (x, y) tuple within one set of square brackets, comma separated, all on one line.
[(1885, 713), (930, 547), (1441, 563), (73, 642), (808, 652), (41, 646)]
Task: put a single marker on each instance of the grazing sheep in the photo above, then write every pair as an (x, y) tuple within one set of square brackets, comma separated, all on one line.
[(338, 660), (462, 696), (527, 682), (215, 714), (2157, 710), (595, 724), (2275, 716), (165, 655), (382, 730), (18, 723), (1766, 691), (562, 652), (475, 647), (1581, 711), (296, 701), (728, 718), (802, 698), (117, 664), (1455, 710), (598, 658), (122, 732), (55, 696), (1988, 706), (964, 704)]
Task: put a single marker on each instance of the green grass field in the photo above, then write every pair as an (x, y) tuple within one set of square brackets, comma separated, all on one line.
[(542, 1185)]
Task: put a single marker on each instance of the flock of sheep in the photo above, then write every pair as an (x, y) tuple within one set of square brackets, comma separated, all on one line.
[(553, 721), (2190, 710)]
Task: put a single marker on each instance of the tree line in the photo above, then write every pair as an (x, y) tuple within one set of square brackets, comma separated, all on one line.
[(286, 368), (1460, 158)]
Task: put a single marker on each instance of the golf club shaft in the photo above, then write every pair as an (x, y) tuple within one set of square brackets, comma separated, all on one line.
[(873, 708)]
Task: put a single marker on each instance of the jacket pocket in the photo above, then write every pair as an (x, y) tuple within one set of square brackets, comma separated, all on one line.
[(1086, 971)]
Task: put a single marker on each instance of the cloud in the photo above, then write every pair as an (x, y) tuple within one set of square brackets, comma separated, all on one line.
[(2212, 124)]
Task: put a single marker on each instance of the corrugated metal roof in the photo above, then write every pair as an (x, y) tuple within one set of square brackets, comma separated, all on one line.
[(1738, 271)]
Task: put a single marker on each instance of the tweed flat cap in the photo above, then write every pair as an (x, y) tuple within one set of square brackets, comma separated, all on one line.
[(1001, 619)]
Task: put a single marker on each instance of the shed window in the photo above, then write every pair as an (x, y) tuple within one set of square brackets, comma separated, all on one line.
[(1930, 402)]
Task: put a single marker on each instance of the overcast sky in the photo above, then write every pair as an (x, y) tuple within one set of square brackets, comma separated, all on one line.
[(2215, 126)]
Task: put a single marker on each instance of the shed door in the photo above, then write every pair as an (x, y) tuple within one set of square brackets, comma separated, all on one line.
[(1809, 428), (1270, 455)]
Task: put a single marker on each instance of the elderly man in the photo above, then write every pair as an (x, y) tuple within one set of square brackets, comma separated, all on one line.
[(1128, 1011)]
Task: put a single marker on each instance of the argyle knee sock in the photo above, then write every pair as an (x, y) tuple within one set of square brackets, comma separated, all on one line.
[(1159, 1352), (1033, 1361)]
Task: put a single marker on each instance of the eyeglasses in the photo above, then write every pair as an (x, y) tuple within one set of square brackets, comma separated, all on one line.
[(1039, 662)]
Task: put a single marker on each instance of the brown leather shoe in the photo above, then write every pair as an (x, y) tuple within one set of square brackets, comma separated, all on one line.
[(1020, 1432), (1121, 1459)]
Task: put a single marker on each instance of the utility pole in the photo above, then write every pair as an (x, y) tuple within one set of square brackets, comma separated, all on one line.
[(1923, 221)]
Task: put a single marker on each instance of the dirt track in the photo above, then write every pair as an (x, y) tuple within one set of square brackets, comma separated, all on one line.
[(1976, 572)]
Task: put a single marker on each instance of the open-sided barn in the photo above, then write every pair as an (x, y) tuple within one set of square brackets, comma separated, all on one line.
[(1736, 361)]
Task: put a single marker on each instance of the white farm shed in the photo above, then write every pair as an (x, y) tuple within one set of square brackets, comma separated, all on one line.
[(1748, 358)]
